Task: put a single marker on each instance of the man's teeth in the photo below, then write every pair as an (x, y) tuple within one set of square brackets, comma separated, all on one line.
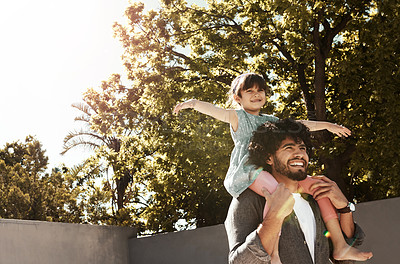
[(297, 164)]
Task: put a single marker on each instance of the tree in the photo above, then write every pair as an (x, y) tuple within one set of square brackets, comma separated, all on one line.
[(106, 120), (95, 138), (28, 192), (369, 101), (304, 49)]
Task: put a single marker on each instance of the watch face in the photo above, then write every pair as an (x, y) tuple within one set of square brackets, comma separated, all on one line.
[(352, 207)]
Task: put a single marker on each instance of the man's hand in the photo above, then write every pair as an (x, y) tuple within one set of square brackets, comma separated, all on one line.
[(280, 202), (328, 188)]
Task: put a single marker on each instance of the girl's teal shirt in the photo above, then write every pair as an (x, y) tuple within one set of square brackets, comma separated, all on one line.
[(241, 175)]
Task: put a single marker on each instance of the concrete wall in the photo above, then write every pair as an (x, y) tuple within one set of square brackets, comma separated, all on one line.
[(379, 219), (49, 243), (204, 245)]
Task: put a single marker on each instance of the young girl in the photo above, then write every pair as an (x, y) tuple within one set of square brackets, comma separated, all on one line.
[(249, 91)]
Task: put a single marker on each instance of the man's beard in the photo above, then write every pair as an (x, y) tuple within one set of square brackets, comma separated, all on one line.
[(284, 170)]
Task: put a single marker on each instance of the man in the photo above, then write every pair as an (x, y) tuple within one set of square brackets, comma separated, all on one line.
[(293, 225)]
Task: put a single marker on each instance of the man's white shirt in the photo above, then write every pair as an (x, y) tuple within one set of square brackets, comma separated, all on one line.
[(305, 216)]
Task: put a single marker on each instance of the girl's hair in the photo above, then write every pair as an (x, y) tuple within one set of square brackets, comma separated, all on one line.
[(246, 81)]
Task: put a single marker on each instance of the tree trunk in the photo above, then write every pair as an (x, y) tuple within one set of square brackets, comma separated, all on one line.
[(122, 184), (334, 167), (319, 85), (306, 92)]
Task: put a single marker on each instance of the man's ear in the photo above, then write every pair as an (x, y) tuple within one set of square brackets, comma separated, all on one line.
[(269, 160)]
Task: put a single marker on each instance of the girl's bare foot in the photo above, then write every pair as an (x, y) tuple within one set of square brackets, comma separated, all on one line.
[(350, 253)]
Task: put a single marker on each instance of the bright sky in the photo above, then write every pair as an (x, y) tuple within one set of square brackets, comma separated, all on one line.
[(51, 51)]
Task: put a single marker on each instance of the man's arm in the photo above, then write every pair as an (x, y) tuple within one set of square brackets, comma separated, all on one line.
[(328, 188), (244, 216), (347, 224), (281, 204), (250, 241)]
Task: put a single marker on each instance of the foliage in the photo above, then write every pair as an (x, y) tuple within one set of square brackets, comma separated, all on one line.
[(369, 90), (80, 194), (28, 192), (110, 127), (325, 60)]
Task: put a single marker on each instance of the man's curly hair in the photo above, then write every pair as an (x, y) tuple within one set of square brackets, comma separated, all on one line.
[(268, 137)]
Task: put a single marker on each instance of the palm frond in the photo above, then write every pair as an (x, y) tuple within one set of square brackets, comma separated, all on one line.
[(76, 169), (82, 138), (79, 142), (85, 108), (84, 118)]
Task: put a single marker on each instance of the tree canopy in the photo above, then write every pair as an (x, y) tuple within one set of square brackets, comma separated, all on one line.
[(325, 60), (28, 192)]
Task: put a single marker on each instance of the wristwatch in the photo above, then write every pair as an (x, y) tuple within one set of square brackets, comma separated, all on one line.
[(349, 208)]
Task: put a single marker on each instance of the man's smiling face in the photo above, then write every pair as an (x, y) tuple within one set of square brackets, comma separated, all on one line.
[(290, 160)]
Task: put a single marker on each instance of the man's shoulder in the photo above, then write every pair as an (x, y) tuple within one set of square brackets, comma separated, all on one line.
[(249, 195), (248, 201)]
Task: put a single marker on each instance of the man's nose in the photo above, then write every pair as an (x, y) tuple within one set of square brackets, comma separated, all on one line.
[(299, 153)]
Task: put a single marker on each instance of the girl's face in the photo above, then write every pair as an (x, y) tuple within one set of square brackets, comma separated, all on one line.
[(251, 100)]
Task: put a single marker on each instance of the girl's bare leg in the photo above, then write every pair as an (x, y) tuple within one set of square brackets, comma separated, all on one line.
[(341, 250), (264, 180)]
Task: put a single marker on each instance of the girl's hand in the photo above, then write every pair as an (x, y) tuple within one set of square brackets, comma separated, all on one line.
[(339, 130), (184, 105)]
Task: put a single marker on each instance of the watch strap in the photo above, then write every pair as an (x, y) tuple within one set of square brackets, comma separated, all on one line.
[(346, 209)]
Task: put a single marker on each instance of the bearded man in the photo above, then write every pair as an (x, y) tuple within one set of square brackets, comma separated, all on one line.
[(292, 231)]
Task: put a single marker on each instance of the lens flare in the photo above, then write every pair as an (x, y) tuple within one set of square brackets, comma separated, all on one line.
[(327, 234)]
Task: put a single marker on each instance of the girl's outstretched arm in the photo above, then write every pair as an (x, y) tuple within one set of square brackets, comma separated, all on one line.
[(339, 130), (225, 115)]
